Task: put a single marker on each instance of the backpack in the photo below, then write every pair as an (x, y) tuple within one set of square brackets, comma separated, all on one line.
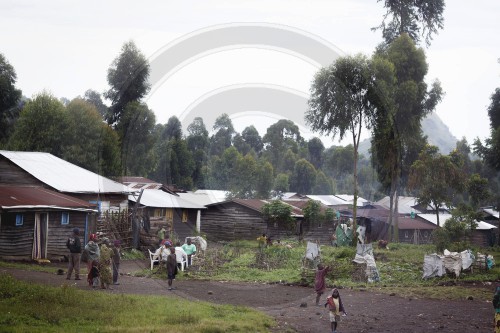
[(73, 245)]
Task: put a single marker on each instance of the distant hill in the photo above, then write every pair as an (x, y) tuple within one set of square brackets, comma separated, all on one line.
[(438, 134)]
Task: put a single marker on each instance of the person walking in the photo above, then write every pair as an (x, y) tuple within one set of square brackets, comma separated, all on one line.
[(93, 251), (171, 268), (115, 260), (335, 307), (75, 249), (105, 264), (319, 281)]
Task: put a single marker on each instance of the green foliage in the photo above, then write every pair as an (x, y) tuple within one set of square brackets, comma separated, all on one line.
[(128, 79), (277, 211), (133, 254), (9, 97), (42, 126), (415, 18)]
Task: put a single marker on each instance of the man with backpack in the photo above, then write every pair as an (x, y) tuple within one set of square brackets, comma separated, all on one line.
[(75, 249)]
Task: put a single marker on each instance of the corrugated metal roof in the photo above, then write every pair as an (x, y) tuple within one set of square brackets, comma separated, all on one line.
[(444, 217), (492, 212), (62, 175), (214, 195), (328, 200), (161, 199), (22, 197), (202, 199), (256, 205)]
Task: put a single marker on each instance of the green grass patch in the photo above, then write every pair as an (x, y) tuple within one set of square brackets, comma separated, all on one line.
[(30, 307)]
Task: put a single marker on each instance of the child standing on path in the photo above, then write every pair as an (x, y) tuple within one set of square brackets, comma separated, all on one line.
[(319, 281), (335, 307)]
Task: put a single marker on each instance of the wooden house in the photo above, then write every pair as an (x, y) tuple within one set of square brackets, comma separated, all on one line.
[(483, 235), (35, 222), (158, 208), (50, 172)]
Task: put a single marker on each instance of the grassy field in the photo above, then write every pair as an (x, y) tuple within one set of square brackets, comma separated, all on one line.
[(28, 307)]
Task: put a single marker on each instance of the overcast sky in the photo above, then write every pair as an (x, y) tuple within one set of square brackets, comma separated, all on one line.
[(66, 49)]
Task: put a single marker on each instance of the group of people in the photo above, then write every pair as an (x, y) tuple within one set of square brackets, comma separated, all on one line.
[(173, 256), (103, 260)]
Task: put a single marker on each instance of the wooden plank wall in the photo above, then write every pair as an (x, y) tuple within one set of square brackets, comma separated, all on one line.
[(16, 242), (11, 174), (231, 222)]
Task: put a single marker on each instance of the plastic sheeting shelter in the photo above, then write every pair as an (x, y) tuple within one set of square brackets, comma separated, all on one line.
[(438, 265), (344, 235), (364, 255)]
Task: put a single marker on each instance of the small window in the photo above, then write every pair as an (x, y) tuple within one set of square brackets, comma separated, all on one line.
[(19, 219), (184, 216), (65, 218)]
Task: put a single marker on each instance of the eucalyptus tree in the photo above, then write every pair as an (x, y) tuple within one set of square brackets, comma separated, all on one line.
[(303, 177), (281, 185), (315, 149), (417, 18), (490, 151), (251, 136), (10, 97), (198, 143), (340, 104), (136, 132), (265, 179), (95, 98), (403, 100), (281, 137), (223, 136), (128, 77)]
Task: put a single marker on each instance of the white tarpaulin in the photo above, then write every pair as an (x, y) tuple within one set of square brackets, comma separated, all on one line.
[(312, 251), (453, 262), (364, 255), (467, 259), (433, 266)]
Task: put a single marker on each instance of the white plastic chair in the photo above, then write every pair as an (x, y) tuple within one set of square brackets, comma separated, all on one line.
[(153, 258), (183, 262)]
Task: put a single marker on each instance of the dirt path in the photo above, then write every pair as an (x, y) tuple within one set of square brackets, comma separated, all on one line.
[(367, 311)]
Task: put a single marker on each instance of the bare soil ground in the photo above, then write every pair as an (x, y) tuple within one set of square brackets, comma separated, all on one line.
[(293, 306)]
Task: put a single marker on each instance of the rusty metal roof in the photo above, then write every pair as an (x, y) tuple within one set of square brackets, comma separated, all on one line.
[(28, 197)]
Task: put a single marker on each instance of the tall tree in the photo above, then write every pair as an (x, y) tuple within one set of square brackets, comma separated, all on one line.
[(197, 141), (251, 136), (279, 138), (42, 126), (340, 104), (265, 179), (324, 185), (417, 18), (128, 79), (281, 185), (490, 151), (223, 137), (403, 100), (10, 98), (85, 141), (136, 131), (173, 129), (315, 149), (303, 177), (243, 184), (436, 179), (94, 98)]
